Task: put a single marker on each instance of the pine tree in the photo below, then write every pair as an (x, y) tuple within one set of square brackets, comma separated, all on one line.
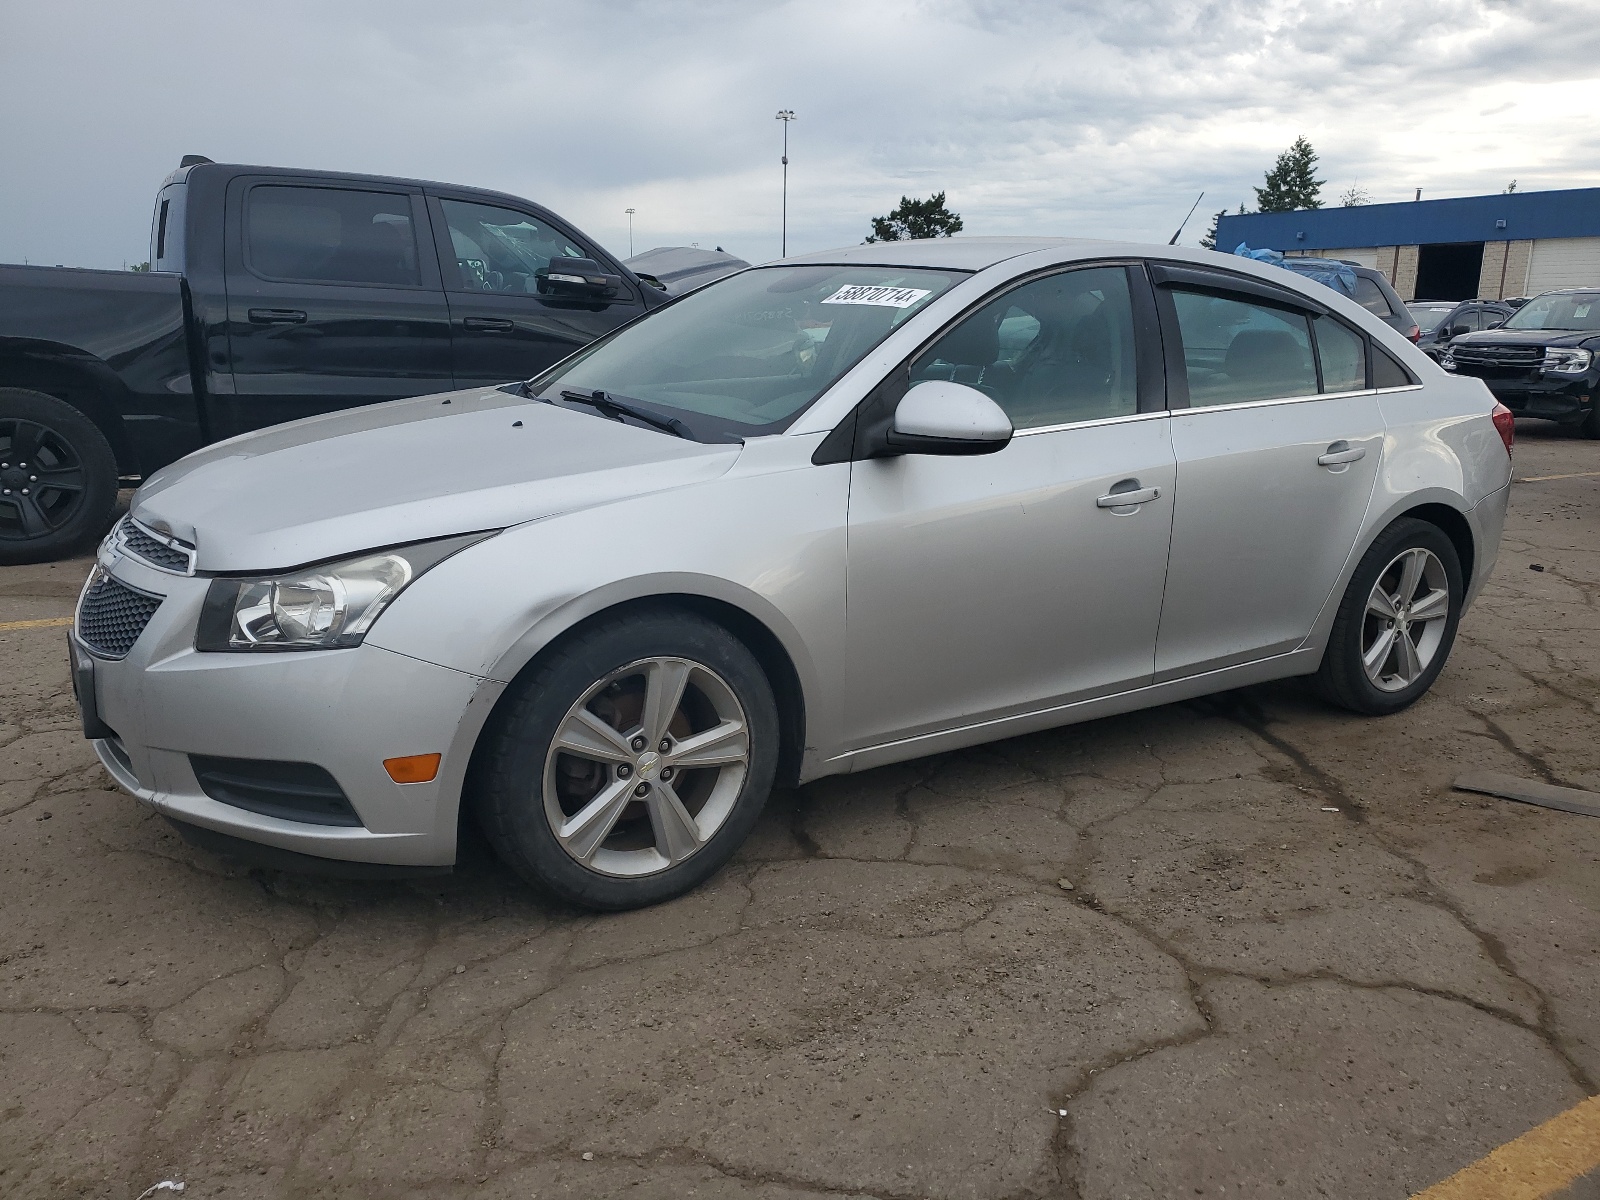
[(1291, 184), (916, 219), (1209, 242)]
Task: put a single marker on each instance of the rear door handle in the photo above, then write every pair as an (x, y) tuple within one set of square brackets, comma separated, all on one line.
[(277, 316), (1341, 453), (1129, 498), (489, 324)]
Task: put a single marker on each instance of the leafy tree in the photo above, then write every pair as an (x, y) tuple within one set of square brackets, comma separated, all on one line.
[(144, 266), (1511, 187), (1292, 183), (1354, 196), (916, 219), (1209, 242)]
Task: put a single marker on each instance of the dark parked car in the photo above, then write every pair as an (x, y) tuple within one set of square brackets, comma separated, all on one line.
[(1372, 292), (1442, 320), (1544, 361), (275, 294)]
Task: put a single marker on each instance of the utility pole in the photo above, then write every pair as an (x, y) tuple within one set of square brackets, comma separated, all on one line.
[(630, 213), (785, 115)]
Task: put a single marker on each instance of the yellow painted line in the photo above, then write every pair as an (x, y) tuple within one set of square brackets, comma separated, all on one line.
[(1544, 478), (1538, 1164), (43, 623)]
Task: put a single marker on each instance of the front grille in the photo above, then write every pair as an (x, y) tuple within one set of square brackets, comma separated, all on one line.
[(290, 791), (112, 615), (158, 554), (1525, 357)]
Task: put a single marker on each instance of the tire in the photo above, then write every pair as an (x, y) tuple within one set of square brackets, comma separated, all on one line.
[(54, 512), (596, 690), (1397, 680), (1591, 424)]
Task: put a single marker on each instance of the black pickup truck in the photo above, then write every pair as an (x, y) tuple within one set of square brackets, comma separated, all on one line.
[(275, 294)]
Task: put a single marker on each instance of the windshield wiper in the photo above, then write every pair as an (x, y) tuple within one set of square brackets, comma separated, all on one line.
[(609, 405)]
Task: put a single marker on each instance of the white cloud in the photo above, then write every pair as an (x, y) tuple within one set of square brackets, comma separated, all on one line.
[(1067, 118)]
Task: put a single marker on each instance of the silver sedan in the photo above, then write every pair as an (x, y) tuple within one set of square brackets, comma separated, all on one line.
[(843, 510)]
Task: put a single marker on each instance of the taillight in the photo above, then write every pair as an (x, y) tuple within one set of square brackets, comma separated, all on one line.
[(1416, 332), (1505, 424)]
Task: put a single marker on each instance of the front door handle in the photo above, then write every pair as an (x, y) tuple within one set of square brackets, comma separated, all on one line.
[(277, 316), (1341, 453), (1129, 499), (488, 324)]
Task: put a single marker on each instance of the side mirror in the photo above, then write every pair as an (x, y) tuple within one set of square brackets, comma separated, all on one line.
[(578, 278), (1458, 330), (938, 417)]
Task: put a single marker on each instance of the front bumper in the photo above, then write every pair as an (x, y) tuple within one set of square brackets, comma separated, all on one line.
[(1533, 394), (344, 710)]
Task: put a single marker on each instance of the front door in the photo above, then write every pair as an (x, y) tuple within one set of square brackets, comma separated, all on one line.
[(1277, 453), (981, 587), (333, 301), (501, 328)]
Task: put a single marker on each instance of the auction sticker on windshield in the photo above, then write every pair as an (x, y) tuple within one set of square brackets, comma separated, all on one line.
[(887, 297)]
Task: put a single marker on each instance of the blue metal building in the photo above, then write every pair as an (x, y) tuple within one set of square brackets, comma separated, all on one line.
[(1515, 244)]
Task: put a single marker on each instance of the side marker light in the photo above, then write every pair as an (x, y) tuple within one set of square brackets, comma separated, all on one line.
[(414, 768)]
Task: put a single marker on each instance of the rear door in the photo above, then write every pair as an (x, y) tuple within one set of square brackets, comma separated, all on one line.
[(501, 328), (1277, 456), (334, 300)]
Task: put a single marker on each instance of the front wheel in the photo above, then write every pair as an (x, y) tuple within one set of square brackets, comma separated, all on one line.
[(629, 766), (58, 478), (1396, 623)]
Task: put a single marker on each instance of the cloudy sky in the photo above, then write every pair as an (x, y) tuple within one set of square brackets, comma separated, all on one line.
[(1079, 119)]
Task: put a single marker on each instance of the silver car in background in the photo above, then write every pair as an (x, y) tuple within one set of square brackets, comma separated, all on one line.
[(847, 509)]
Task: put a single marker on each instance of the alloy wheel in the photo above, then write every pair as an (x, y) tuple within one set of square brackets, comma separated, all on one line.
[(1406, 615), (646, 767), (42, 480)]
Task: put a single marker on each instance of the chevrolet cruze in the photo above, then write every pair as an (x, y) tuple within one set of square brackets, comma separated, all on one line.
[(847, 509)]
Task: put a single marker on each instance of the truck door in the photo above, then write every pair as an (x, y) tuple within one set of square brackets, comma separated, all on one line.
[(333, 300), (501, 328)]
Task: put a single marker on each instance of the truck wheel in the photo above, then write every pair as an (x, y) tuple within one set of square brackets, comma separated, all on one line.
[(1591, 424), (58, 478), (630, 765)]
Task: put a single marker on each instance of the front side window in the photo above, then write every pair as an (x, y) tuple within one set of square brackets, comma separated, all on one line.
[(331, 235), (746, 354), (1235, 351), (500, 249), (1559, 310), (1370, 296), (1051, 352), (1343, 354)]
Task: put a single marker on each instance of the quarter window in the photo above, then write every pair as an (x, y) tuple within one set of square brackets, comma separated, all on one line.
[(1054, 351), (1343, 354), (1236, 351), (331, 235), (1386, 372), (500, 249)]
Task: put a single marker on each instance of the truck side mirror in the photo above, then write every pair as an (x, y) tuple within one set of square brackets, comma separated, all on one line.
[(577, 278)]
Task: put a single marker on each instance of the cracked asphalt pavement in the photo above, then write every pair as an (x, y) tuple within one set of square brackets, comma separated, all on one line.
[(891, 992)]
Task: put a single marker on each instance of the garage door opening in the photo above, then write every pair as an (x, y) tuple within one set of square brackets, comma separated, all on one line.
[(1449, 271)]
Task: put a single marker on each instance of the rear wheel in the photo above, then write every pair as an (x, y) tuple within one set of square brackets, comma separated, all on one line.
[(628, 767), (58, 478), (1396, 623)]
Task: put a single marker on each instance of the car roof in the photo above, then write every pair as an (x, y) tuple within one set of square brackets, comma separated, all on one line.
[(953, 253)]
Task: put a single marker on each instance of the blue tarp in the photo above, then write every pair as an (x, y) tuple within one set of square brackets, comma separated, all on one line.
[(1329, 272)]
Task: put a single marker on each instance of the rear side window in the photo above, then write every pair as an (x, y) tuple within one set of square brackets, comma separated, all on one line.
[(331, 235), (1343, 354), (1386, 372), (1236, 351), (1370, 296)]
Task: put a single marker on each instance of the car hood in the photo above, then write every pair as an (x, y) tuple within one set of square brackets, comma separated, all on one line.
[(1528, 337), (406, 471)]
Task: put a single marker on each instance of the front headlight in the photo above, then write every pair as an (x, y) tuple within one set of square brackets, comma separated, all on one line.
[(317, 608), (1565, 361), (1448, 360)]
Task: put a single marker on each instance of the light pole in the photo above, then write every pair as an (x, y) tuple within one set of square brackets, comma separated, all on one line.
[(630, 213), (785, 115)]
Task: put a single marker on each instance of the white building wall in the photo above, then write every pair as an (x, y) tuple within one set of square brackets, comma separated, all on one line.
[(1563, 262)]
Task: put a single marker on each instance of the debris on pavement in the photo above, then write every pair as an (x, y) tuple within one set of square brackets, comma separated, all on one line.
[(1064, 884), (166, 1185), (1530, 791)]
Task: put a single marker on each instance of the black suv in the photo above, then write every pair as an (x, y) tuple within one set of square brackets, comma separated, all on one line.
[(1442, 320), (1544, 361)]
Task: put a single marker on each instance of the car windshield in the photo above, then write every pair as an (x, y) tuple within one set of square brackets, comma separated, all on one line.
[(1428, 316), (747, 354), (1558, 310)]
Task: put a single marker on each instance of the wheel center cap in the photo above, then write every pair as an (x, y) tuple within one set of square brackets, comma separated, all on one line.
[(14, 477), (649, 765)]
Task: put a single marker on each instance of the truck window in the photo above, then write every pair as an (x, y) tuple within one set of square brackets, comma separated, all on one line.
[(166, 229), (499, 249), (331, 235)]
